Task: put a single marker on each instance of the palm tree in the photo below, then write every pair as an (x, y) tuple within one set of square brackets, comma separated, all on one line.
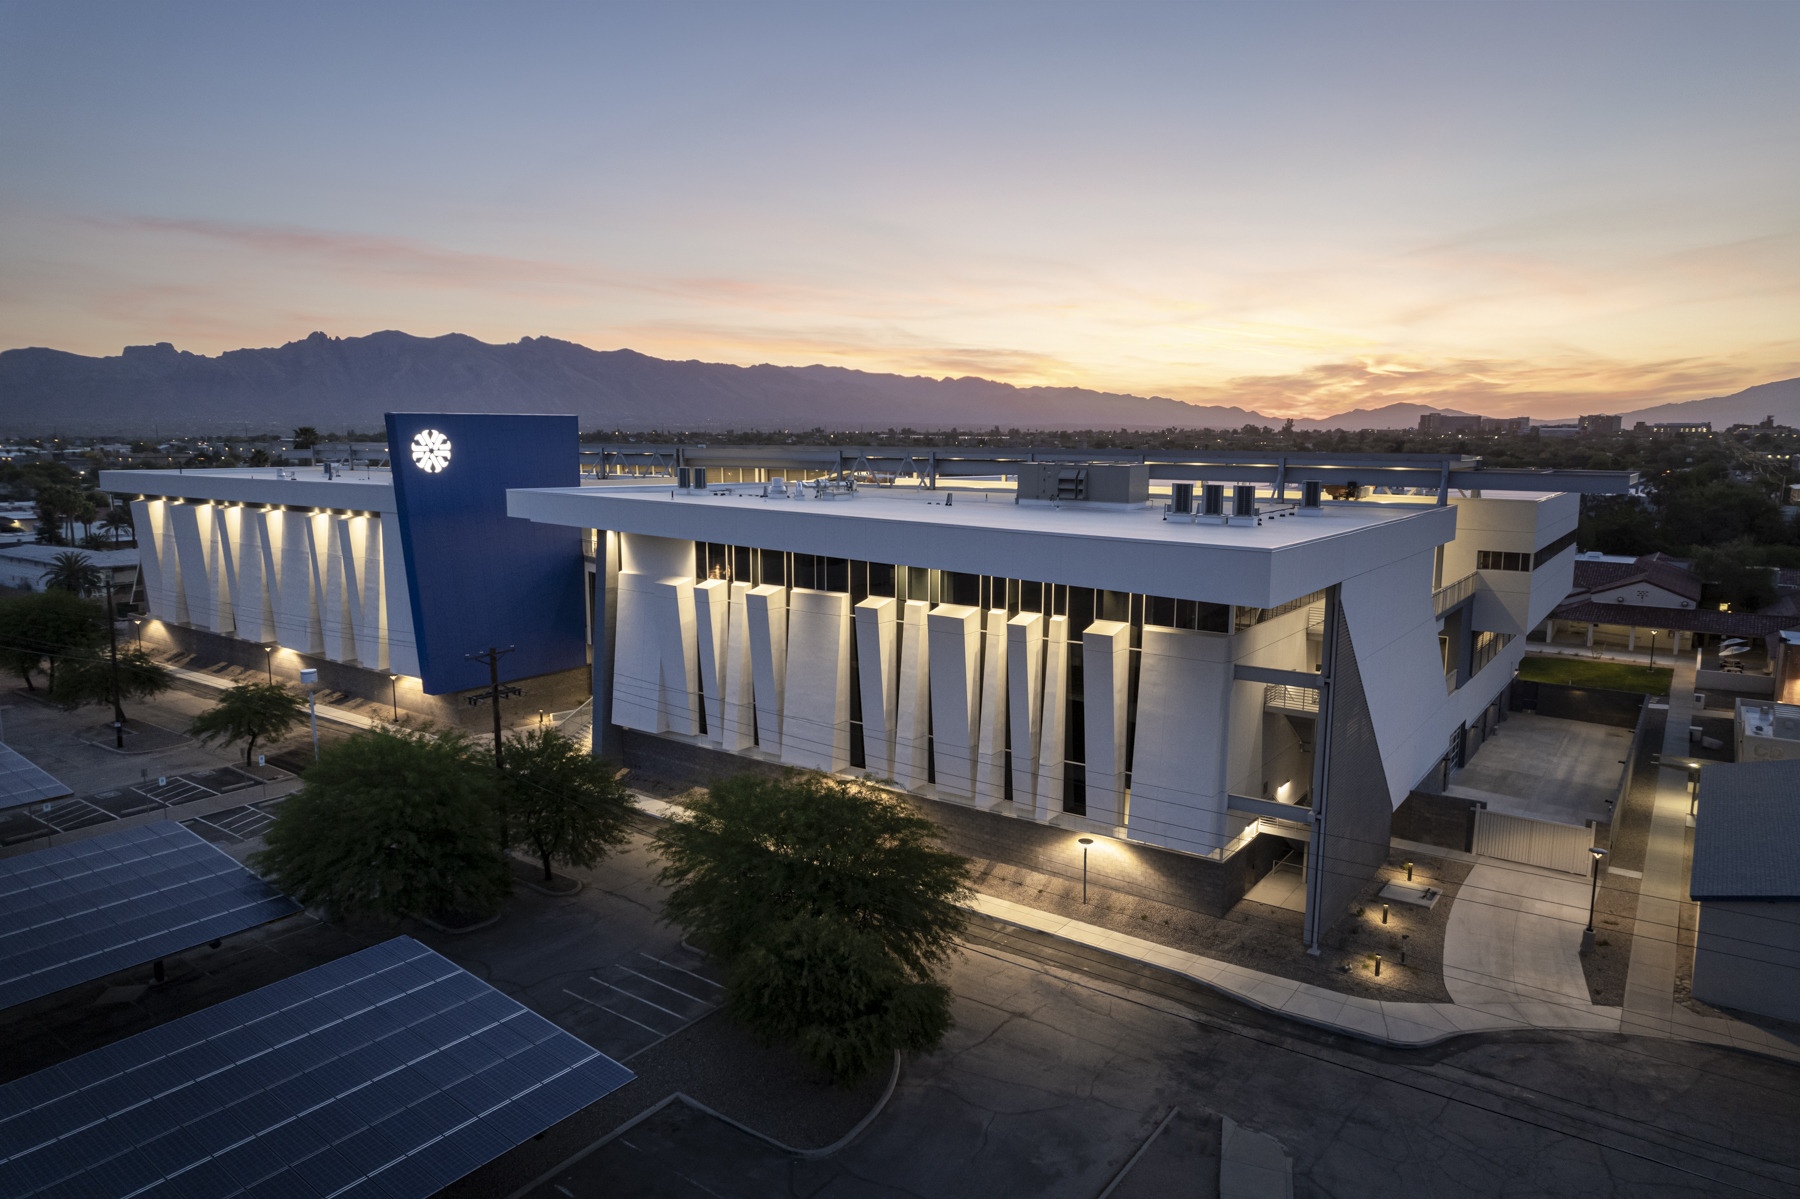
[(76, 572), (118, 520), (249, 712)]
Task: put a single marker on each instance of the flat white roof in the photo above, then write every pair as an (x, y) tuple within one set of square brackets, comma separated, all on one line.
[(365, 489), (1081, 544)]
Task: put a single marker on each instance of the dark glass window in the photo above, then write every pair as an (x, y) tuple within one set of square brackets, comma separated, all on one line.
[(960, 588), (1501, 560), (1554, 548), (881, 578)]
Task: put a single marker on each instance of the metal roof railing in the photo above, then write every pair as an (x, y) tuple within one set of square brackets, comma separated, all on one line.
[(1452, 594)]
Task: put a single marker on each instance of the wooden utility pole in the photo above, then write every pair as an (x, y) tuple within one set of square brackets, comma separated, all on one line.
[(112, 637), (495, 692)]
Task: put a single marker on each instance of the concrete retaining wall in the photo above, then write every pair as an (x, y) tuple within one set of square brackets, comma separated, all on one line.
[(1593, 704), (1445, 820)]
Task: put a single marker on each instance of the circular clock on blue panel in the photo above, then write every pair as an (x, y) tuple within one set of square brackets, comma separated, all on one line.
[(431, 451)]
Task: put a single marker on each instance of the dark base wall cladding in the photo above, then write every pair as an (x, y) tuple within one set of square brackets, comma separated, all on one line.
[(1436, 820), (1144, 871), (1592, 704), (563, 691)]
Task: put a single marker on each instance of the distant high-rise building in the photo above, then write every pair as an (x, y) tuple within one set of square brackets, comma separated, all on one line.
[(1602, 423), (1436, 424)]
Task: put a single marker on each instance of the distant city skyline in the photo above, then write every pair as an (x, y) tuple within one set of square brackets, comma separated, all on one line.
[(1300, 209)]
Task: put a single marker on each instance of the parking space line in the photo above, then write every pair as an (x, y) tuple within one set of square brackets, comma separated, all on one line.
[(671, 965), (627, 994), (665, 986), (621, 1015), (665, 1036)]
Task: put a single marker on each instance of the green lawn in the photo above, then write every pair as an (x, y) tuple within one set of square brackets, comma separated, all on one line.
[(1586, 672)]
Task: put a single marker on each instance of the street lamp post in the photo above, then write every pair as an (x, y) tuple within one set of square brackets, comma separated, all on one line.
[(1085, 842), (394, 693), (137, 627), (269, 661), (1587, 936), (309, 678)]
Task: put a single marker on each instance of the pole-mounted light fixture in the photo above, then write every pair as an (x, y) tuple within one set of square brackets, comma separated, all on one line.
[(1084, 842), (1587, 936)]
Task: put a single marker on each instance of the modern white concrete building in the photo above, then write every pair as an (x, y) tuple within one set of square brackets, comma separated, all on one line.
[(1155, 678), (1199, 663), (389, 586), (284, 558)]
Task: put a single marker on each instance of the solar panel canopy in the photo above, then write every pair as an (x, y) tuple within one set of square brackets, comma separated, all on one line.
[(82, 911), (24, 782), (391, 1072)]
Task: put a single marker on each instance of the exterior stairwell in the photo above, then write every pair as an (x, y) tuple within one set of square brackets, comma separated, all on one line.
[(578, 725)]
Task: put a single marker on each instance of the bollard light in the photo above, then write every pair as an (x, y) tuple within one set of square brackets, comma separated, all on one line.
[(1377, 965), (1409, 872), (1384, 913)]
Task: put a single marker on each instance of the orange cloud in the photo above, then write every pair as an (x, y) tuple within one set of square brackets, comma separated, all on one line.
[(1494, 387)]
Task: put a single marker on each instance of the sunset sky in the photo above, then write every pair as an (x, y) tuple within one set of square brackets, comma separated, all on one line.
[(1529, 208)]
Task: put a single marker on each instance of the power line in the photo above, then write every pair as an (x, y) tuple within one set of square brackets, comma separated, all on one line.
[(1287, 1045)]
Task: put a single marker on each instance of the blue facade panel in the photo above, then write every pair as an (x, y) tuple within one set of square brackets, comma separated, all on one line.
[(477, 576)]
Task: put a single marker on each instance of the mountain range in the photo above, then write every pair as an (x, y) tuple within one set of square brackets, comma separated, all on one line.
[(347, 383)]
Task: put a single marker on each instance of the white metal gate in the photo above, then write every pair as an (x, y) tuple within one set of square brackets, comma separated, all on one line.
[(1534, 842)]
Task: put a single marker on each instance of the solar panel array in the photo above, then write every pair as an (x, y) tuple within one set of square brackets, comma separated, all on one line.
[(390, 1073), (24, 782), (79, 912)]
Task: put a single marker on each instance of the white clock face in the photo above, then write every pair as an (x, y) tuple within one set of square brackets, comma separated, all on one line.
[(431, 451)]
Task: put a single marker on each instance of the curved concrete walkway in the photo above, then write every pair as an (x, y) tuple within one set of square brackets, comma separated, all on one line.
[(1514, 936), (1512, 962), (1378, 1020)]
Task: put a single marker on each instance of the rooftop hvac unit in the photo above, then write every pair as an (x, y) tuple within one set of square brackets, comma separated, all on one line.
[(684, 477), (1181, 498), (1311, 492), (1212, 498), (1244, 501), (1787, 725), (700, 477)]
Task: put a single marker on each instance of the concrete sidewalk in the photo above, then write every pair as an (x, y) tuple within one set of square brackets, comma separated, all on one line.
[(1519, 968), (1515, 934), (1408, 1025), (1656, 951), (355, 720)]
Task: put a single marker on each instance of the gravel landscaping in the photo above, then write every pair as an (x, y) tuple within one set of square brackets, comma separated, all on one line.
[(1268, 938)]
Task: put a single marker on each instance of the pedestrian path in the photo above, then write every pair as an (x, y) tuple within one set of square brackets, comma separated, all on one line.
[(1383, 1021), (1544, 995), (1515, 933), (1656, 952), (326, 711)]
